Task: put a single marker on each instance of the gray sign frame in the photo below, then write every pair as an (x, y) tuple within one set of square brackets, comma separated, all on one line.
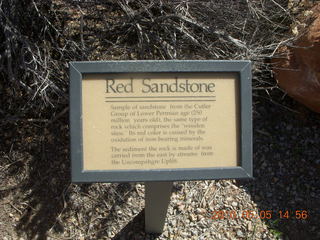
[(242, 68)]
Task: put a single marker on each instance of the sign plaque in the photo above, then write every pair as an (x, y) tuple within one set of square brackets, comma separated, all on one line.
[(160, 120)]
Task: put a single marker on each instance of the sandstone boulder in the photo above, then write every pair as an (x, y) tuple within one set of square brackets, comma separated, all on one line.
[(298, 70)]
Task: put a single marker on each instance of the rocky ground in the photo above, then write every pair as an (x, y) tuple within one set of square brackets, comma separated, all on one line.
[(37, 200)]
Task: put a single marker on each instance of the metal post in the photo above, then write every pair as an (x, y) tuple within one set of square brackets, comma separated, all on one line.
[(157, 198)]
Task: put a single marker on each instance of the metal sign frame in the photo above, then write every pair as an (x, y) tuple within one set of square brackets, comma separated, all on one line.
[(242, 68)]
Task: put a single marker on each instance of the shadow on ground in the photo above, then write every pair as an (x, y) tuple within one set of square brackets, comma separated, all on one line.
[(38, 180), (45, 178)]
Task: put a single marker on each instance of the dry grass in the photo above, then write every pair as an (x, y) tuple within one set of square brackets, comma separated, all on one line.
[(39, 38)]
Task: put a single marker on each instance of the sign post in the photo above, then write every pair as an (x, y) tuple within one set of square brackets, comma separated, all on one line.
[(158, 122), (157, 198)]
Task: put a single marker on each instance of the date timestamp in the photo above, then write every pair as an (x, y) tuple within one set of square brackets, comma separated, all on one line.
[(261, 214)]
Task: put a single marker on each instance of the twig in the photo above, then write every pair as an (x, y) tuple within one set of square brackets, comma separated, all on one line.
[(59, 115), (19, 211)]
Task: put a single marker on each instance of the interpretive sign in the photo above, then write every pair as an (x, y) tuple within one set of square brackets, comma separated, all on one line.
[(160, 120)]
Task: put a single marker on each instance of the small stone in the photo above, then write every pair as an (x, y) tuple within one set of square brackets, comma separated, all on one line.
[(200, 211), (184, 234), (173, 222), (202, 225), (193, 218), (200, 217), (234, 204), (250, 226), (110, 234), (181, 207), (240, 233), (194, 232)]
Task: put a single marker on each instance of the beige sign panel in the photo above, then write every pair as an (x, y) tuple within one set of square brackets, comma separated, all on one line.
[(160, 121)]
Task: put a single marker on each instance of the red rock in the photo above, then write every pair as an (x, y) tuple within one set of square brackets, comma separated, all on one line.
[(298, 73)]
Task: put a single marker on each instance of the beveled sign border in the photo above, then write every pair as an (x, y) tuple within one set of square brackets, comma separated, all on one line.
[(242, 68)]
